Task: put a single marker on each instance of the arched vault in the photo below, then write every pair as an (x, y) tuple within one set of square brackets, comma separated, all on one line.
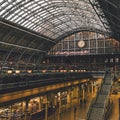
[(29, 28)]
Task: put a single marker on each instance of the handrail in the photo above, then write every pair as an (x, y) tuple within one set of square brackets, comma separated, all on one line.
[(108, 111), (25, 82)]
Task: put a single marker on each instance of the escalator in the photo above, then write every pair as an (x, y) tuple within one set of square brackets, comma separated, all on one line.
[(101, 105)]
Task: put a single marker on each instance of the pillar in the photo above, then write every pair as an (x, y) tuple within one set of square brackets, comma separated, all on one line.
[(26, 109), (119, 108), (45, 101), (59, 110), (9, 117), (69, 101), (92, 87), (83, 94), (46, 111), (40, 103)]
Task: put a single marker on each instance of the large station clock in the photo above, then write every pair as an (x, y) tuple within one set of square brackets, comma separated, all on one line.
[(81, 43)]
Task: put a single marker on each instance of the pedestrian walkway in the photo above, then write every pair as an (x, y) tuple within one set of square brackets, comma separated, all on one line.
[(71, 113), (81, 110)]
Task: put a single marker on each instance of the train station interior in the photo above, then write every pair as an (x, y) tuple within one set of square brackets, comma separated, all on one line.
[(59, 59)]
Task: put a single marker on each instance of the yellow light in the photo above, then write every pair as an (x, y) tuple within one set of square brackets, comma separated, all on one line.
[(61, 70), (9, 71), (44, 71), (29, 71), (17, 71)]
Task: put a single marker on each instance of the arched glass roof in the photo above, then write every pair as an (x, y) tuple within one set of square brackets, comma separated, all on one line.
[(51, 18)]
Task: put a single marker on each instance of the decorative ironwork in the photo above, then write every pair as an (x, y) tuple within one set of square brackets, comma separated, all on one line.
[(51, 18)]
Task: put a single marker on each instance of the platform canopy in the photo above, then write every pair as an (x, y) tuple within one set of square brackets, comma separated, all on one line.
[(54, 18)]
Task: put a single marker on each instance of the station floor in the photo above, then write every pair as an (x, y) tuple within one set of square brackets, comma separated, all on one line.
[(81, 111)]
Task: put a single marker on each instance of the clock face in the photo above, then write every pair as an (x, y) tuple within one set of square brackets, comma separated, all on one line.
[(81, 43)]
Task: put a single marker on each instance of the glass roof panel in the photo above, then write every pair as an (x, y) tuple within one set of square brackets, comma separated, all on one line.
[(51, 18)]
